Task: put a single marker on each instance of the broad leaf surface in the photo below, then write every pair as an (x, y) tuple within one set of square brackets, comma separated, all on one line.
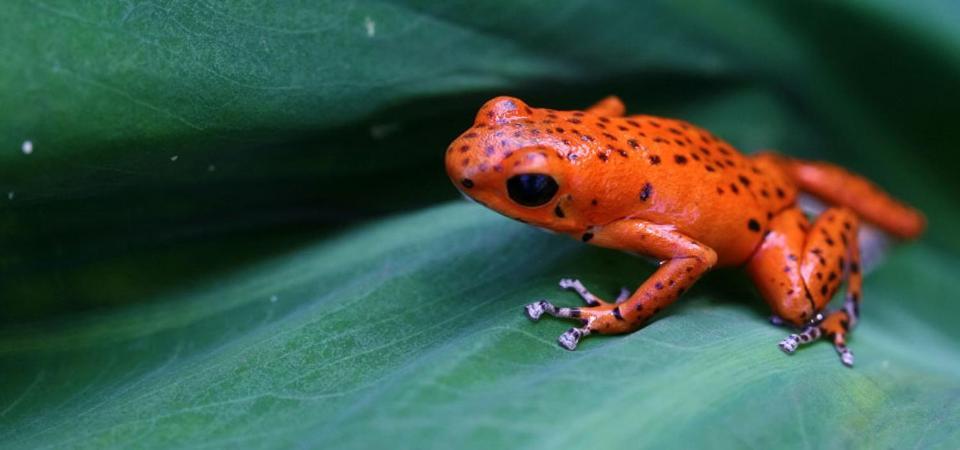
[(233, 229)]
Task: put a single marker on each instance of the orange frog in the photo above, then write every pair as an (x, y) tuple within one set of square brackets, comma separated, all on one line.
[(675, 192)]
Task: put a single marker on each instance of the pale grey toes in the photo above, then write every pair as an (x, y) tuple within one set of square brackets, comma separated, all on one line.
[(853, 312), (536, 309), (576, 286), (571, 337), (846, 356), (776, 320), (790, 344), (810, 334), (587, 296), (624, 295)]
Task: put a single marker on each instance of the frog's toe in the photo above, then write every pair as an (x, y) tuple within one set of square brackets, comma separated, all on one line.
[(603, 319), (790, 344), (832, 327), (806, 336), (537, 309), (570, 338), (836, 327), (575, 285), (846, 356)]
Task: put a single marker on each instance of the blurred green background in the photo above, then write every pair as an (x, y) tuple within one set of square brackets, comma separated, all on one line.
[(233, 227)]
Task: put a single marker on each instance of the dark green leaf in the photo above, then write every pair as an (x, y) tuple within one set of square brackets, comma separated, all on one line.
[(410, 333), (193, 254)]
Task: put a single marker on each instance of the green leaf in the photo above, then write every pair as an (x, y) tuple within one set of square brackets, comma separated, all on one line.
[(410, 333), (233, 227)]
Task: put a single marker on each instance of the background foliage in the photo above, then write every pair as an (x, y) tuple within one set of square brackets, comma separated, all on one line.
[(232, 228)]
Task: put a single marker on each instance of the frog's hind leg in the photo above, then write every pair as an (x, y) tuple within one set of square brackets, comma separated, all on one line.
[(832, 249), (799, 267), (838, 186)]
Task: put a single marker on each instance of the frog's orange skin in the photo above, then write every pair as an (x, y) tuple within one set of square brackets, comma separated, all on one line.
[(670, 190)]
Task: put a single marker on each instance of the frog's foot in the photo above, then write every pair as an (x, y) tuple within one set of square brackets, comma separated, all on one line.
[(834, 327), (605, 318), (588, 297), (846, 356), (537, 309), (570, 338), (809, 334)]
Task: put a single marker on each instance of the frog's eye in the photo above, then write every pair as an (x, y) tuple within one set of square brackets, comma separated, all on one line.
[(532, 189)]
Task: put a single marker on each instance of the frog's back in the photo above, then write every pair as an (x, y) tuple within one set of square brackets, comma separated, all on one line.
[(689, 178)]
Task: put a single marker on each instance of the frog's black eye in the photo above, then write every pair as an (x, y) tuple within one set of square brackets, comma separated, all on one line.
[(532, 189)]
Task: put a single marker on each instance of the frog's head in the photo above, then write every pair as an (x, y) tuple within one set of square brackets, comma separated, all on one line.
[(509, 163)]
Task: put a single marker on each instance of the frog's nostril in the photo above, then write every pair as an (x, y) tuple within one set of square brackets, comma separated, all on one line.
[(467, 183)]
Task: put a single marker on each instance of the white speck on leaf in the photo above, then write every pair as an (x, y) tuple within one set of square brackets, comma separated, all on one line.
[(27, 147), (382, 130), (10, 195), (211, 168), (370, 25), (174, 158), (274, 298)]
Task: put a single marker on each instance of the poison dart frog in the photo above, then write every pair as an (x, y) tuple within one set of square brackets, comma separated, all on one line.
[(672, 191)]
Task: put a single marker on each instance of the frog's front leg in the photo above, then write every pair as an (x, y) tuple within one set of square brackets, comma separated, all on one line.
[(587, 296), (683, 261)]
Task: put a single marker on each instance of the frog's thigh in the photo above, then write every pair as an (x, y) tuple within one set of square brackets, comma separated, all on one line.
[(775, 268), (798, 267), (831, 254)]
